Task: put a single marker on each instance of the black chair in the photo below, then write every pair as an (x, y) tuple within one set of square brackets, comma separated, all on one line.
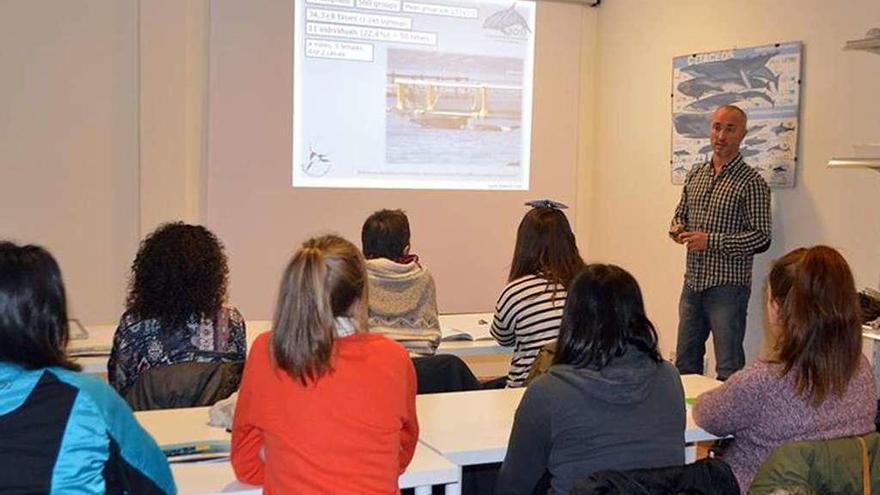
[(705, 477), (443, 373), (184, 385)]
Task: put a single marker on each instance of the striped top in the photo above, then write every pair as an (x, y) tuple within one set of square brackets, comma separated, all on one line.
[(527, 316)]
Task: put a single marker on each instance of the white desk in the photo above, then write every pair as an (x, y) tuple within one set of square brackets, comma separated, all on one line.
[(474, 427), (171, 426), (97, 345), (101, 337)]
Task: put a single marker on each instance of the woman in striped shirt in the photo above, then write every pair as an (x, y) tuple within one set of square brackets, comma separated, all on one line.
[(529, 309)]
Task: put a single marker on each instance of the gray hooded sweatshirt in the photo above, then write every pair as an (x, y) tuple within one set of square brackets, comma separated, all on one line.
[(574, 421)]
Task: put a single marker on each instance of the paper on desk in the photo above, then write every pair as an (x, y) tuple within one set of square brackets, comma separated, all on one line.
[(471, 326), (77, 330), (89, 350), (209, 450)]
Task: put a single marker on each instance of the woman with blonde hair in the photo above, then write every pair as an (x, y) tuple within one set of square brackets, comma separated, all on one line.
[(816, 386), (324, 406)]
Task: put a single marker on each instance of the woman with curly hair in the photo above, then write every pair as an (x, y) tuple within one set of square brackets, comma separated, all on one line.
[(175, 310)]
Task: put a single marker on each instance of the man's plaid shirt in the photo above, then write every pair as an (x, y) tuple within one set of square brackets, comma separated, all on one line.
[(734, 209)]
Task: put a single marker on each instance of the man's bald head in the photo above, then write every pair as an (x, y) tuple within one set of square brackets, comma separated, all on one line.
[(736, 110), (726, 131)]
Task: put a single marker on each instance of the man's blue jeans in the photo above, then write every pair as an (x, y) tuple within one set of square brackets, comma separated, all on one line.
[(721, 310)]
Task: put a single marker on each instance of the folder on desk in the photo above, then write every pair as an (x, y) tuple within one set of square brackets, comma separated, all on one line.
[(474, 326), (77, 330), (89, 350), (196, 451)]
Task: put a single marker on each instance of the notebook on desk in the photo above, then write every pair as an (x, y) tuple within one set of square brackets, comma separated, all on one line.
[(89, 350), (197, 451), (77, 330), (469, 326)]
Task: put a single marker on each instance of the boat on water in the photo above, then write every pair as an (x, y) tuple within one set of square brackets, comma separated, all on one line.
[(441, 121)]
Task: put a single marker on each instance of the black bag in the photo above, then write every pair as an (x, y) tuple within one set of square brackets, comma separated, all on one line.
[(184, 385)]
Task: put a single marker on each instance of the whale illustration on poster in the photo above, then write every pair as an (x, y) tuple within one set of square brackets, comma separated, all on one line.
[(764, 81)]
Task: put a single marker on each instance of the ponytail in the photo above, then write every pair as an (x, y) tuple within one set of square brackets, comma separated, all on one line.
[(821, 338), (321, 282)]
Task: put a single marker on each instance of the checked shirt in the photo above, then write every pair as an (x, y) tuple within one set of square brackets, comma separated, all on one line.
[(734, 209)]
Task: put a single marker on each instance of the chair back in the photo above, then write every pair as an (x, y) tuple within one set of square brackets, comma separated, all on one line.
[(840, 465), (443, 373), (704, 477)]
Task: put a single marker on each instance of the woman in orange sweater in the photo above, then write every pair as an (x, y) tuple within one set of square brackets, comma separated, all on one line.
[(324, 406)]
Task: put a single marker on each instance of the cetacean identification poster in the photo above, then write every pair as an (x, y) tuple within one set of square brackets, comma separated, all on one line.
[(764, 81)]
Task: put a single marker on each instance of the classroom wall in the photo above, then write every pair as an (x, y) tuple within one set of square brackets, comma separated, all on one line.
[(627, 192), (96, 94), (69, 141), (464, 237), (102, 135)]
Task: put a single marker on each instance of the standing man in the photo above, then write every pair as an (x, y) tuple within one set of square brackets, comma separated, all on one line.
[(724, 220)]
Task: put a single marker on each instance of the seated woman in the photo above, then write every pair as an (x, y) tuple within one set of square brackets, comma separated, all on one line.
[(608, 402), (816, 386), (60, 431), (402, 296), (324, 406), (175, 310), (529, 309)]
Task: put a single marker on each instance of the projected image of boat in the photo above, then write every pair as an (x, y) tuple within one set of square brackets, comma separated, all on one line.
[(453, 108), (440, 120)]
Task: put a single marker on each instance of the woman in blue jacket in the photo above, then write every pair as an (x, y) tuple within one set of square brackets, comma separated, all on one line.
[(60, 431)]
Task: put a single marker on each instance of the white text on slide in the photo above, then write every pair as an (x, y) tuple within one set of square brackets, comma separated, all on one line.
[(434, 9), (372, 34), (340, 50), (386, 5), (359, 19), (334, 3)]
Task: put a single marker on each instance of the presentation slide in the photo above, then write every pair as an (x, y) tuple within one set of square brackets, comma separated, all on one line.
[(412, 94)]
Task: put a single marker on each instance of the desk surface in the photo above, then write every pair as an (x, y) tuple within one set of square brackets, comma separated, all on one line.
[(483, 419), (101, 337), (171, 426)]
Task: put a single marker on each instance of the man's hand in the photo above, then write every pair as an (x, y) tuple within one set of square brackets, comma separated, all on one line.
[(675, 233), (696, 240)]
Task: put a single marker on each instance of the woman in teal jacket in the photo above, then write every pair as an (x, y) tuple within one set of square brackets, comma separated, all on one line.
[(60, 431)]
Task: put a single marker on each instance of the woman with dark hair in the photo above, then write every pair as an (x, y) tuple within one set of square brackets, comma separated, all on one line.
[(60, 431), (175, 310), (816, 385), (324, 406), (608, 402), (529, 309)]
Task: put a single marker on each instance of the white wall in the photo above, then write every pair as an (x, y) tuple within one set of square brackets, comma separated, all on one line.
[(464, 237), (628, 193), (69, 141), (96, 95), (101, 133)]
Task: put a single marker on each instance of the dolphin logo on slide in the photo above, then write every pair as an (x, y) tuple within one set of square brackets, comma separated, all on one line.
[(508, 21), (318, 164)]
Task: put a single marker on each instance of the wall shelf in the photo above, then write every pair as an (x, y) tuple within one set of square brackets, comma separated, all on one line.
[(870, 43), (873, 163), (869, 156)]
